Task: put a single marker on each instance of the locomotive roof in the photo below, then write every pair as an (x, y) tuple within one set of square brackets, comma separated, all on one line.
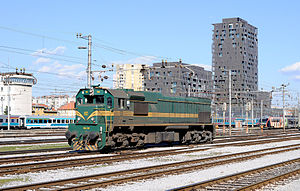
[(118, 93)]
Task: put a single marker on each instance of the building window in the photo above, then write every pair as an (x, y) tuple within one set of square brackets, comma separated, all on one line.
[(220, 54)]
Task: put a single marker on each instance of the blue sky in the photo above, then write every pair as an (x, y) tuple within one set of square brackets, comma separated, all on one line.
[(144, 31)]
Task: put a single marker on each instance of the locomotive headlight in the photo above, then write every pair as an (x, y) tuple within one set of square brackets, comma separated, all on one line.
[(78, 118), (93, 119)]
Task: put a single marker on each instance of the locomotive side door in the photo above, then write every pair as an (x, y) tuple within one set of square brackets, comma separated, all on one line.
[(22, 122)]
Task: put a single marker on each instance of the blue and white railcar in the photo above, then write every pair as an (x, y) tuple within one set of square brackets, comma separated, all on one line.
[(46, 122), (14, 121)]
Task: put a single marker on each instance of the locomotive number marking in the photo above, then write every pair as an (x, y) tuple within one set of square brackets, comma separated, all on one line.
[(85, 113), (86, 128)]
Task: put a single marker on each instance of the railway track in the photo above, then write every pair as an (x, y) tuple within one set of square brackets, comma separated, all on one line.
[(33, 151), (50, 165), (122, 156), (25, 142), (31, 135), (113, 178), (249, 180), (253, 137)]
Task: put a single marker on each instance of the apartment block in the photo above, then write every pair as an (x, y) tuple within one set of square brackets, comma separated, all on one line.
[(178, 79), (128, 76), (235, 48)]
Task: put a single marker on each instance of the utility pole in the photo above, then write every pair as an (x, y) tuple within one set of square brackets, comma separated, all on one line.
[(283, 104), (298, 110), (2, 107), (261, 111), (247, 109), (229, 102), (89, 68), (8, 108), (224, 110), (252, 113), (8, 101)]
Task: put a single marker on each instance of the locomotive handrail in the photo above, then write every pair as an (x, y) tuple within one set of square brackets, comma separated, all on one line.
[(183, 101), (152, 102)]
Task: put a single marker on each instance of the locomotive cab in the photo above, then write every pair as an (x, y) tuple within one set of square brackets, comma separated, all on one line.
[(93, 113)]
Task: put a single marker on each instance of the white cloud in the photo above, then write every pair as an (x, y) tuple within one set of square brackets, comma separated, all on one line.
[(42, 60), (45, 69), (293, 71), (139, 60), (44, 51), (75, 70), (292, 68)]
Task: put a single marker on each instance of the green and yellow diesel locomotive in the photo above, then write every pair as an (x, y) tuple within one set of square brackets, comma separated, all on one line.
[(123, 118)]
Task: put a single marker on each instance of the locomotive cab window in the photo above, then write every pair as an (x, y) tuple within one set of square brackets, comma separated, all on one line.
[(79, 101), (109, 102), (99, 99), (89, 99)]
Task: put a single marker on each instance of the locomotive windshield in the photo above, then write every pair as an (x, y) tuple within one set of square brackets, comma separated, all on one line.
[(99, 99)]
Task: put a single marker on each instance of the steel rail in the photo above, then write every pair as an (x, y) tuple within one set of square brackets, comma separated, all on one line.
[(50, 165), (43, 157), (230, 179), (275, 179), (33, 151), (165, 169), (23, 142)]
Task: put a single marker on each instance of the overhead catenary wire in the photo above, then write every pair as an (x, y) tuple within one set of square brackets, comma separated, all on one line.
[(40, 52), (110, 48)]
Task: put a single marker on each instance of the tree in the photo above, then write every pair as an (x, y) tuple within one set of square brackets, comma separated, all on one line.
[(6, 110)]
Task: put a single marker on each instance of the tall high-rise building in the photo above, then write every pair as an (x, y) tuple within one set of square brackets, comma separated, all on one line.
[(129, 76), (234, 48)]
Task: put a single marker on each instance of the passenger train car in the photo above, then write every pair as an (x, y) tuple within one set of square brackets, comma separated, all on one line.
[(45, 122), (14, 121), (122, 118), (237, 122), (30, 122), (277, 122)]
